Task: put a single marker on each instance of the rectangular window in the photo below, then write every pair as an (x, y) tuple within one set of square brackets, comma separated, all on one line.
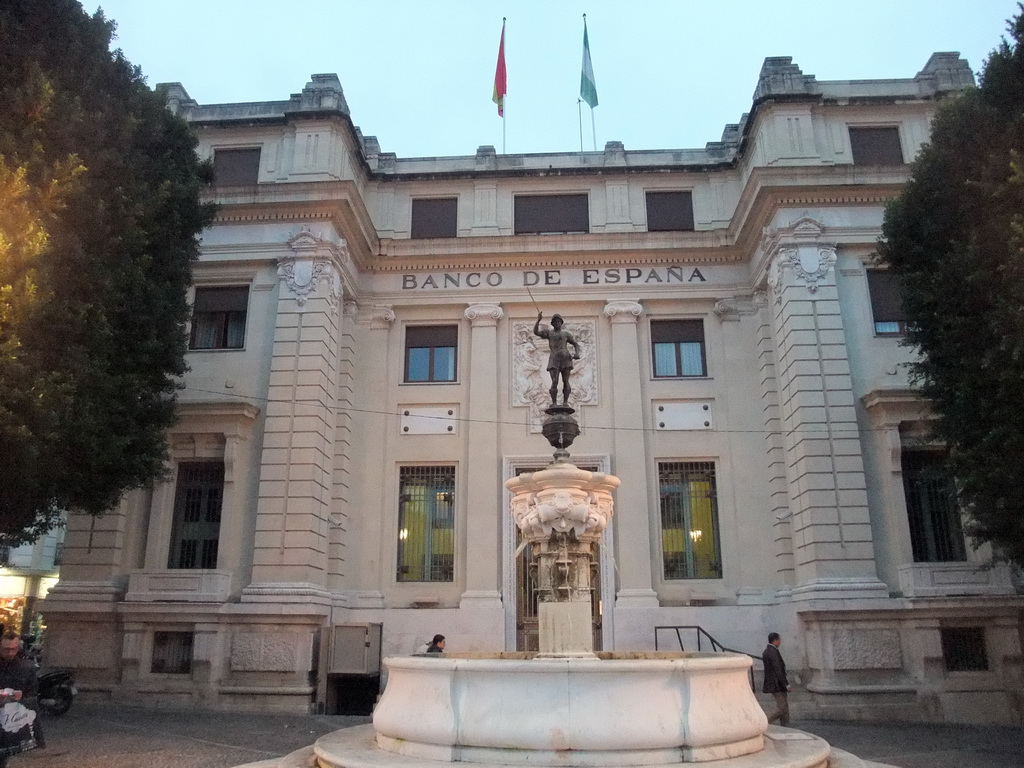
[(236, 167), (218, 318), (689, 520), (669, 211), (437, 217), (678, 348), (886, 303), (551, 214), (172, 653), (876, 145), (963, 649), (426, 524), (430, 352), (936, 532), (197, 505)]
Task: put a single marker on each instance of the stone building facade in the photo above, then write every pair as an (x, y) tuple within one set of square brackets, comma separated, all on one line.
[(364, 377)]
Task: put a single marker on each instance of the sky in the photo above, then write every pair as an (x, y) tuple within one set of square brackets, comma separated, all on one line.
[(419, 74)]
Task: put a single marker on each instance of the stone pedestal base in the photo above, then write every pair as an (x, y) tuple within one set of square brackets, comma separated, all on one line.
[(566, 629)]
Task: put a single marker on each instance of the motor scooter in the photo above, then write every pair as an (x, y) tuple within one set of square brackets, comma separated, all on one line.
[(57, 691)]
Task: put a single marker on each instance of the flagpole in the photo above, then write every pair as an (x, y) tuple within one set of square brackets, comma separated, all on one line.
[(593, 128), (504, 97), (579, 109)]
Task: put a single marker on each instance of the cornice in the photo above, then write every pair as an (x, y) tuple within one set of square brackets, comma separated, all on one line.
[(766, 191), (339, 202)]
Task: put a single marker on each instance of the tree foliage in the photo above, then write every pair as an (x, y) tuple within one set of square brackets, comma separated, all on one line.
[(99, 218), (955, 238)]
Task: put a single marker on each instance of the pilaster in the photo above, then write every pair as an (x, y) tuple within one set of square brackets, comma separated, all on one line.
[(371, 564), (633, 527), (832, 546), (341, 498), (483, 490), (290, 557), (775, 453)]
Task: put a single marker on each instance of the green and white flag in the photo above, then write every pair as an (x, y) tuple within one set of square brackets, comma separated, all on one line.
[(588, 89)]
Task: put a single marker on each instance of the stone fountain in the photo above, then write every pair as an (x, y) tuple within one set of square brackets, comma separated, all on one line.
[(567, 705)]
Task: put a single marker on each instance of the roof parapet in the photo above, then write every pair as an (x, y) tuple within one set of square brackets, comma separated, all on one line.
[(322, 93), (780, 76), (946, 71)]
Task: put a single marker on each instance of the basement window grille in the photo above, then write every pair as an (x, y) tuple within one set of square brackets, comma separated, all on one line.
[(172, 653), (963, 649)]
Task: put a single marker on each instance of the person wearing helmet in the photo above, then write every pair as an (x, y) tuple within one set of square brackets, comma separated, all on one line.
[(559, 361)]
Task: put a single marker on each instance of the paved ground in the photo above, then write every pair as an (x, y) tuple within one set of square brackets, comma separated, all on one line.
[(108, 736)]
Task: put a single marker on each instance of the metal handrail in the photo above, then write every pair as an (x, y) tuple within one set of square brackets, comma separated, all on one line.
[(715, 646)]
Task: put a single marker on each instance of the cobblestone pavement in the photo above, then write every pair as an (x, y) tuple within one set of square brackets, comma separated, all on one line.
[(925, 746), (111, 736)]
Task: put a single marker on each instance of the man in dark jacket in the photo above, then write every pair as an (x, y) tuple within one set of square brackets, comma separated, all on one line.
[(775, 681), (17, 685)]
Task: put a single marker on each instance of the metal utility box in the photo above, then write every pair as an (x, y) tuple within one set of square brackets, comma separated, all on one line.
[(348, 680), (354, 649)]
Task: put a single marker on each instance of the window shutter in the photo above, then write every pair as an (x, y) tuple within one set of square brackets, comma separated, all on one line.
[(551, 214)]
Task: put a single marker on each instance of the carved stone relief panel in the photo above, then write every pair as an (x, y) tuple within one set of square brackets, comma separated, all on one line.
[(866, 649), (263, 652), (531, 383)]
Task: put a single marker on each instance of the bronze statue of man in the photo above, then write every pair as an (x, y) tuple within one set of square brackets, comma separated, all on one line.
[(559, 361)]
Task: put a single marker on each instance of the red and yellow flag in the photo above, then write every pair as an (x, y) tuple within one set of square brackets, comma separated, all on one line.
[(500, 82)]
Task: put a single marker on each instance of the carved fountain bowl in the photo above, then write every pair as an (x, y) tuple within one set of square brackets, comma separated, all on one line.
[(612, 709)]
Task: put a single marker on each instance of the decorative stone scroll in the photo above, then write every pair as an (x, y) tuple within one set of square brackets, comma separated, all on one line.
[(313, 261), (798, 250), (484, 314), (381, 317), (623, 311)]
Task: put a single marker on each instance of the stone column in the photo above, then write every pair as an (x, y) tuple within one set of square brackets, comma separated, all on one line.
[(290, 554), (483, 470), (633, 531), (832, 544)]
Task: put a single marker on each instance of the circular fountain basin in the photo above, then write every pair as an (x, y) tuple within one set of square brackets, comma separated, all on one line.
[(612, 709)]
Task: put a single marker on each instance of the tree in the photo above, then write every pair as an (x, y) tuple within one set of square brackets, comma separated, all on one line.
[(99, 216), (955, 239)]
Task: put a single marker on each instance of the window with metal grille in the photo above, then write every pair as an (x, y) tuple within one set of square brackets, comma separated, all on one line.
[(678, 348), (172, 653), (426, 524), (430, 353), (669, 211), (236, 167), (197, 504), (963, 649), (689, 520), (218, 318), (435, 217), (551, 214), (886, 303), (876, 145), (936, 531)]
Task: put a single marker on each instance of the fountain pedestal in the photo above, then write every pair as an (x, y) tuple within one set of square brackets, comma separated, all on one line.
[(562, 511)]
